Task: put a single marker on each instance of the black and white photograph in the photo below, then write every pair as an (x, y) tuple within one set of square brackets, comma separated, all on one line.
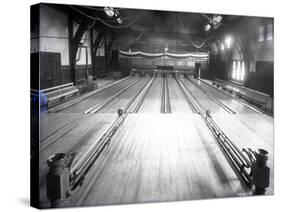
[(132, 105)]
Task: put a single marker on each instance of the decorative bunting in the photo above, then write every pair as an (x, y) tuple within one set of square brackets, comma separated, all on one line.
[(145, 54)]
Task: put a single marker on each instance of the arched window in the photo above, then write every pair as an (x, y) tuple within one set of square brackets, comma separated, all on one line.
[(243, 71), (261, 33), (238, 69), (269, 32), (234, 70)]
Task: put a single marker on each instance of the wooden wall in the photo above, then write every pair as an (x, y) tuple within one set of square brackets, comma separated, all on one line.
[(46, 69), (262, 79)]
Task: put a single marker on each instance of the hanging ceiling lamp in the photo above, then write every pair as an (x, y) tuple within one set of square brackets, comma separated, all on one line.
[(109, 11), (213, 22), (119, 20), (216, 21), (207, 27)]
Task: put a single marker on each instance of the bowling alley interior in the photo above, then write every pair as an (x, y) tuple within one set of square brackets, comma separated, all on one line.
[(142, 106)]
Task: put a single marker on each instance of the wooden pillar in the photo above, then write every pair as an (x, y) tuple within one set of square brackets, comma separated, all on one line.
[(91, 51), (74, 41), (70, 50), (94, 47), (106, 54), (107, 48)]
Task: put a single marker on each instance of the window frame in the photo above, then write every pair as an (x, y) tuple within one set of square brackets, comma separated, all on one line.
[(261, 34), (271, 32)]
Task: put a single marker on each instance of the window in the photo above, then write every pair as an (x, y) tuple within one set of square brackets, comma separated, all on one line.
[(243, 71), (261, 34), (238, 70), (269, 32), (234, 70)]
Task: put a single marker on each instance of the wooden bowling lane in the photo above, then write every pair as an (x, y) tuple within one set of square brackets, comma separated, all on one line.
[(250, 130), (97, 98), (122, 100), (67, 133), (229, 101), (152, 101), (177, 99), (159, 157), (203, 98)]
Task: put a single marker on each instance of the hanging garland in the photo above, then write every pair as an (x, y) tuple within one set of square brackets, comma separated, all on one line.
[(197, 55), (145, 54), (139, 53)]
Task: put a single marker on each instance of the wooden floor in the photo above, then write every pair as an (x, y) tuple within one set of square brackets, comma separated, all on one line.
[(93, 100), (232, 103), (67, 133), (178, 161), (152, 102), (154, 156), (250, 130), (178, 105), (125, 97)]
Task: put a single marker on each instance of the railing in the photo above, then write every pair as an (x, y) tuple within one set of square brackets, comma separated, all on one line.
[(250, 164), (264, 101)]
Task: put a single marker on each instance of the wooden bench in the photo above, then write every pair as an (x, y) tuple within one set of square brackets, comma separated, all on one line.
[(262, 100), (59, 93)]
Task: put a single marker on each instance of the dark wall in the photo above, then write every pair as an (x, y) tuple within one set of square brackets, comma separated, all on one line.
[(156, 41), (51, 73), (126, 64), (81, 70), (45, 69), (34, 71), (262, 79)]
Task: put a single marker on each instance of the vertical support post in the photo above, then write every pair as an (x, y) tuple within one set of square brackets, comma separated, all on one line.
[(106, 54), (109, 49), (74, 41), (92, 51), (87, 61), (70, 50)]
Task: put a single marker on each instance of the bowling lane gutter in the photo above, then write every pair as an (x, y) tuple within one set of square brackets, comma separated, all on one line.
[(187, 95), (168, 102), (83, 165), (142, 98), (257, 110), (240, 162), (213, 98), (97, 107), (165, 101)]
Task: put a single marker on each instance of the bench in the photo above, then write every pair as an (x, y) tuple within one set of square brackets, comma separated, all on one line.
[(262, 100), (56, 94)]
